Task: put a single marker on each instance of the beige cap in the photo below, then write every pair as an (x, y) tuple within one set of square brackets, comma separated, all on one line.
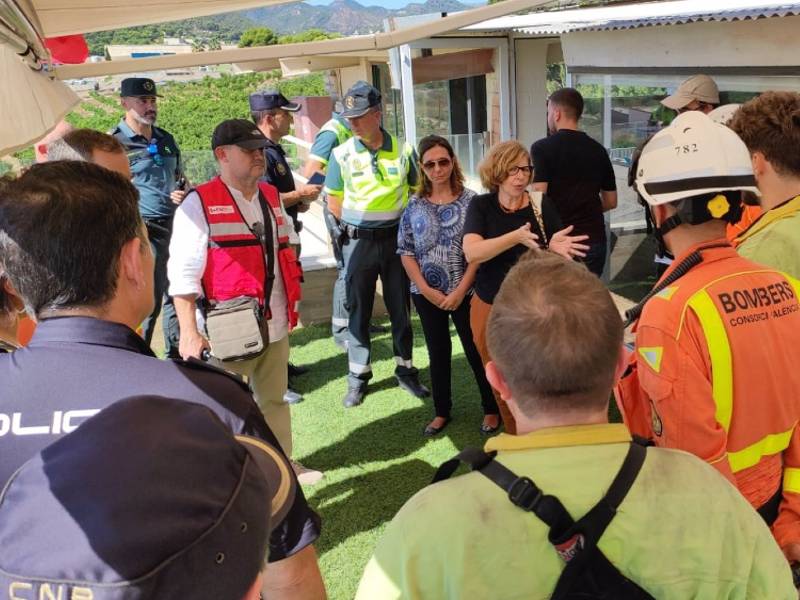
[(698, 87)]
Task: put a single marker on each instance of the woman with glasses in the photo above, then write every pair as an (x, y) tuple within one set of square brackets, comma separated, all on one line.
[(500, 227), (429, 245)]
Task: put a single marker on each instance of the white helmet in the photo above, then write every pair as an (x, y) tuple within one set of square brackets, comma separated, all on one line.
[(692, 157), (723, 114)]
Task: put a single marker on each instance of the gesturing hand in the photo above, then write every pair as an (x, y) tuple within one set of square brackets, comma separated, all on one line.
[(567, 245), (526, 237)]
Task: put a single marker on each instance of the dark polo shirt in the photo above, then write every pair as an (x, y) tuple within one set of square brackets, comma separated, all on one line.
[(76, 366), (279, 174)]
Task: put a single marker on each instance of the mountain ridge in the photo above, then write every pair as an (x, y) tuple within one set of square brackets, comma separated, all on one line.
[(347, 17)]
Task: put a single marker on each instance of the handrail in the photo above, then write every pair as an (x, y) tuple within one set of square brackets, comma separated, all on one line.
[(297, 141)]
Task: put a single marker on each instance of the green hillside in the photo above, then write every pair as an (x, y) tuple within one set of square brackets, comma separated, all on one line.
[(190, 111)]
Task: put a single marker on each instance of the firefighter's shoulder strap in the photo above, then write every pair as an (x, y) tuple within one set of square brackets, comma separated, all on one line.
[(588, 573)]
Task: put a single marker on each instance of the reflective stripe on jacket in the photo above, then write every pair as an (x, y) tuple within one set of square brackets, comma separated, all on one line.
[(715, 372), (375, 184), (342, 132), (236, 265)]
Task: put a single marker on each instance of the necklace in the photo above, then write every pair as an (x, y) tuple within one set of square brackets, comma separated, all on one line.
[(509, 211)]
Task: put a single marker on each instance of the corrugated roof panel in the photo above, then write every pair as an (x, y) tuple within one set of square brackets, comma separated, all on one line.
[(632, 16)]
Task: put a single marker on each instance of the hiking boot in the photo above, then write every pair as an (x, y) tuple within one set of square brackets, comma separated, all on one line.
[(411, 384), (354, 396)]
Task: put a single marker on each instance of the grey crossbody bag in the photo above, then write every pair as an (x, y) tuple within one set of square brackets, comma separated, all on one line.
[(237, 328)]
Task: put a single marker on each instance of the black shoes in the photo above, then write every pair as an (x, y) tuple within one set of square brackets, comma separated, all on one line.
[(374, 328), (431, 431), (297, 370), (354, 396), (411, 384)]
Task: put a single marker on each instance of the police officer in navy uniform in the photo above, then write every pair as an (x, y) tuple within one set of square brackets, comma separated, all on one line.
[(87, 276), (368, 181), (157, 173), (272, 112)]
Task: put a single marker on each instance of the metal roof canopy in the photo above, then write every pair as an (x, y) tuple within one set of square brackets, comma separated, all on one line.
[(631, 16), (370, 43)]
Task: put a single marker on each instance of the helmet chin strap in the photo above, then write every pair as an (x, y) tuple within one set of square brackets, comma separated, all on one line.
[(659, 233)]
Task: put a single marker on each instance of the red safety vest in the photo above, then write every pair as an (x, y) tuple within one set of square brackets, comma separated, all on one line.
[(235, 264)]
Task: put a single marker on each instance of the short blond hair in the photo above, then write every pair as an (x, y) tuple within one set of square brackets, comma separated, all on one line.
[(496, 164), (555, 335)]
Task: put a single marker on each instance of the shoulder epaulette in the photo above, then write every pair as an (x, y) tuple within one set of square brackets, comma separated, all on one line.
[(200, 365)]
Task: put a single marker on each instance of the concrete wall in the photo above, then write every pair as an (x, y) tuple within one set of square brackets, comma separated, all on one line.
[(531, 85), (349, 75), (761, 42)]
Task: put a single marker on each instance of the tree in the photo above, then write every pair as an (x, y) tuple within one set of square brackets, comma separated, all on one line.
[(310, 35), (257, 36)]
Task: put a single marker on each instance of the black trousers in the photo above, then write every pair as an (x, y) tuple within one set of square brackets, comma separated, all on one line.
[(159, 232), (436, 327), (364, 261)]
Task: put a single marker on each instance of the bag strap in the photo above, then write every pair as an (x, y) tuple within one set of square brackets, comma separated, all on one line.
[(536, 206), (525, 494), (269, 249)]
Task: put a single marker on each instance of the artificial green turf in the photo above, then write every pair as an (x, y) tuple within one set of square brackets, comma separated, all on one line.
[(374, 456)]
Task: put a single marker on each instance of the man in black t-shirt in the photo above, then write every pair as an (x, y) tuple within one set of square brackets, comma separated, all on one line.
[(576, 173), (75, 248)]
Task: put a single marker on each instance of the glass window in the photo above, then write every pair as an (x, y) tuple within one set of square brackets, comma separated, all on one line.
[(635, 109)]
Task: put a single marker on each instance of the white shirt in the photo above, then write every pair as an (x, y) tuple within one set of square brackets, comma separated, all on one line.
[(188, 250)]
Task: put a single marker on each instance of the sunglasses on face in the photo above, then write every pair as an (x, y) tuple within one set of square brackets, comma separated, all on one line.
[(528, 169), (152, 150), (430, 165)]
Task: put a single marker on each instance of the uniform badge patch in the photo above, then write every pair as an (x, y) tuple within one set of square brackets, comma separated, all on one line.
[(281, 169), (220, 210), (349, 102)]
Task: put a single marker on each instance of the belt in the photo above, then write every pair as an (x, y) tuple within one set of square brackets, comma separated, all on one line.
[(162, 221), (377, 233)]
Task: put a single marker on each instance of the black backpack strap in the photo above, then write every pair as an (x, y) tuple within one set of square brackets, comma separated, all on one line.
[(524, 493), (588, 573), (474, 457), (588, 530)]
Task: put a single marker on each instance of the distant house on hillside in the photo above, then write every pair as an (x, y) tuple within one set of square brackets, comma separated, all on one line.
[(169, 47), (119, 52)]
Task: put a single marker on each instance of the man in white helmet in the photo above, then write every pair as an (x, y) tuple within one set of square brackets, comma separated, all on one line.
[(714, 371)]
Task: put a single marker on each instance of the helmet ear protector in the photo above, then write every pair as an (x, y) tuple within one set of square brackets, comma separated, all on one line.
[(726, 206)]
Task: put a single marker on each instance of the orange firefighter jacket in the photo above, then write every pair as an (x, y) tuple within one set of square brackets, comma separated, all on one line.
[(749, 216), (716, 372)]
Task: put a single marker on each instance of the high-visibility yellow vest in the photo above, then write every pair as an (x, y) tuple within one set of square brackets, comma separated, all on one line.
[(341, 130), (375, 183)]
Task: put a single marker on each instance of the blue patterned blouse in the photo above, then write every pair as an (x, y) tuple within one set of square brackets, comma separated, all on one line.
[(432, 234)]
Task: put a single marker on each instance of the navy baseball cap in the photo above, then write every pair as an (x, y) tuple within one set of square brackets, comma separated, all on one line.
[(238, 132), (138, 87), (359, 99), (150, 498), (269, 99)]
